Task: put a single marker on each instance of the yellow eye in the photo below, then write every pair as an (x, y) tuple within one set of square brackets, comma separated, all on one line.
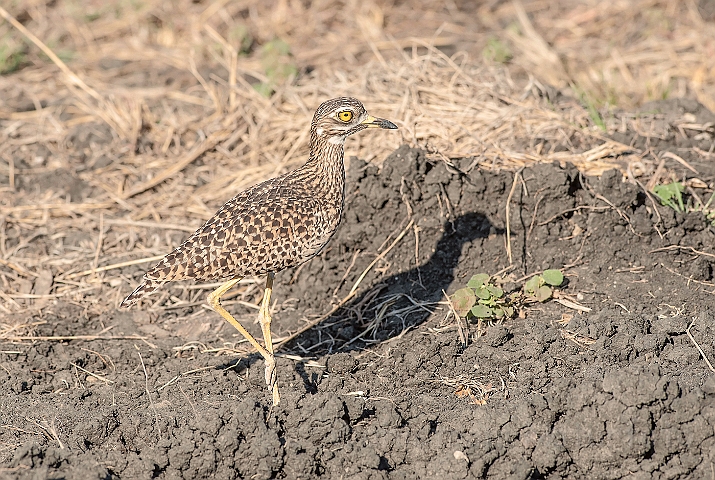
[(345, 116)]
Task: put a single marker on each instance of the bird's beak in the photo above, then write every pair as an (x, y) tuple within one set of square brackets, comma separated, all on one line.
[(373, 122)]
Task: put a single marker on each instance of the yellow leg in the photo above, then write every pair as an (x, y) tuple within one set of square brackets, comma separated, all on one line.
[(214, 300), (264, 318)]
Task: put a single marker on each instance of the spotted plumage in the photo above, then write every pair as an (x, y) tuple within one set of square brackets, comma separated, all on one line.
[(273, 225)]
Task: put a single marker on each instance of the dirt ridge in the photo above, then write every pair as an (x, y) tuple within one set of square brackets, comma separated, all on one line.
[(620, 391)]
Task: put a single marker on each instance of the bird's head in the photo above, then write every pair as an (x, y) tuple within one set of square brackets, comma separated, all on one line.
[(337, 118)]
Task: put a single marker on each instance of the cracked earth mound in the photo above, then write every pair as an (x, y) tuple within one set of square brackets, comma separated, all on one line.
[(384, 387)]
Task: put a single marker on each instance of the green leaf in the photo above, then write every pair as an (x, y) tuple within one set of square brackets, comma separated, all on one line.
[(463, 300), (477, 280), (487, 301), (498, 312), (532, 284), (509, 311), (670, 193), (483, 293), (543, 293), (496, 292), (482, 311), (553, 277)]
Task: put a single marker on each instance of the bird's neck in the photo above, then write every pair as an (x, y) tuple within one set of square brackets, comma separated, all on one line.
[(326, 161)]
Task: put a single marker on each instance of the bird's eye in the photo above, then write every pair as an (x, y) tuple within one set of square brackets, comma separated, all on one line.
[(345, 116)]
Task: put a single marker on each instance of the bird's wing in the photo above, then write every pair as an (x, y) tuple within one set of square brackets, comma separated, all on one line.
[(255, 232)]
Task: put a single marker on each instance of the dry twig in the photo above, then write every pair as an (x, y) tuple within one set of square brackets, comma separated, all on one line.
[(692, 339)]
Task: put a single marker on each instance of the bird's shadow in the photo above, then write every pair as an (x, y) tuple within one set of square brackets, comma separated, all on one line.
[(410, 297)]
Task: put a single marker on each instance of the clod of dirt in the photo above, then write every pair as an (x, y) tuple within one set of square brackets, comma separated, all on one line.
[(341, 363), (497, 335)]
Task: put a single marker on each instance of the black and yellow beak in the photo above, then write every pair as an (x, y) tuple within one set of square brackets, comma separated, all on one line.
[(373, 122)]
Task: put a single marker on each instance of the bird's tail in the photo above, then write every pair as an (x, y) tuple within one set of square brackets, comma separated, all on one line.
[(147, 287)]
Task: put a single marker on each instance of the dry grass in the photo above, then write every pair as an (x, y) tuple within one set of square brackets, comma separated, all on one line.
[(151, 114), (476, 391), (624, 52)]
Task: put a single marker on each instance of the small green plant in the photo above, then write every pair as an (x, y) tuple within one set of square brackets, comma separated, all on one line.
[(11, 55), (671, 195), (278, 65), (240, 37), (482, 298), (497, 51), (540, 287), (593, 112)]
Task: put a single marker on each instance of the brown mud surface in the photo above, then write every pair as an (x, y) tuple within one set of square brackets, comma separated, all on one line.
[(384, 387)]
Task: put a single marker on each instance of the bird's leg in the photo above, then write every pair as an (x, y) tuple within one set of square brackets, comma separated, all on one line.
[(264, 318), (214, 299)]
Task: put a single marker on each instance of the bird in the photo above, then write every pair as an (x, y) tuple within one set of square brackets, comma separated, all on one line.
[(280, 223)]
